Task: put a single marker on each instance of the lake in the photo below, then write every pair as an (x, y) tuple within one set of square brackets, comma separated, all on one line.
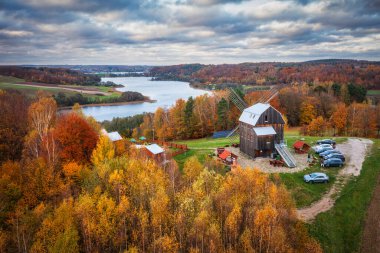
[(165, 92)]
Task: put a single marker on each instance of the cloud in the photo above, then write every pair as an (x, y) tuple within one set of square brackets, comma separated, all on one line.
[(179, 31)]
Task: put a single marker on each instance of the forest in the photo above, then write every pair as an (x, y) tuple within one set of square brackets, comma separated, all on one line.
[(66, 188), (363, 73), (50, 75)]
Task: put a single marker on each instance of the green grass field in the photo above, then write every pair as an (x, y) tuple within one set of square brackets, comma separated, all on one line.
[(373, 92), (305, 194), (340, 229)]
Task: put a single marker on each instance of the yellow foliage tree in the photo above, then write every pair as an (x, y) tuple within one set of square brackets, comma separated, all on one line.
[(192, 169), (307, 113), (104, 151)]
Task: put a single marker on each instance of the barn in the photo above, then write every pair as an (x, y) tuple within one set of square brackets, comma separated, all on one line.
[(261, 126)]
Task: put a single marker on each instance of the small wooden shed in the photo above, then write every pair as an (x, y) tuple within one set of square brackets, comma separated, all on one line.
[(301, 147), (228, 157), (156, 152)]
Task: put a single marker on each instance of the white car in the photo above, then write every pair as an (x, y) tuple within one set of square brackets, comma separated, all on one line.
[(322, 146)]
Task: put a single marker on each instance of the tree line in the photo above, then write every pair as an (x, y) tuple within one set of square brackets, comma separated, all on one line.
[(363, 73), (69, 100), (70, 189)]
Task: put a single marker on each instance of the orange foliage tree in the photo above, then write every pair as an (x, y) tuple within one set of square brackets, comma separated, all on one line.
[(76, 137)]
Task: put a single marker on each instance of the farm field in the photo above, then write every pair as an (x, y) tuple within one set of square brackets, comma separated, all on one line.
[(30, 89)]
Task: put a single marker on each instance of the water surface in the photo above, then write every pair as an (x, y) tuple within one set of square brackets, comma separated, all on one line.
[(165, 92)]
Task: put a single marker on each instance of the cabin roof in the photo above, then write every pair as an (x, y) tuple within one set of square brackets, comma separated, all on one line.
[(154, 149), (252, 114), (114, 136), (260, 131)]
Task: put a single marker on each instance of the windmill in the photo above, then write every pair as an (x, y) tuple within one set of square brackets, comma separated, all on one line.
[(280, 147), (241, 105)]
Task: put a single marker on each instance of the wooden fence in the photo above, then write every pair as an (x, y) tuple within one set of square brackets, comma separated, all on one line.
[(172, 145)]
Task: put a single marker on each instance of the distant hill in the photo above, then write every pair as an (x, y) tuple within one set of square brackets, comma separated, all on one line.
[(364, 73), (50, 75), (99, 68)]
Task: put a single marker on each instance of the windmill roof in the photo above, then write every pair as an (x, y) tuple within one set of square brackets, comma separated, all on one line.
[(264, 131), (252, 114)]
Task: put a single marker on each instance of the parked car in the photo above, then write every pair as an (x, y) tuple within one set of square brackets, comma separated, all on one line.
[(331, 151), (318, 147), (335, 155), (332, 162), (316, 177), (326, 141), (321, 150)]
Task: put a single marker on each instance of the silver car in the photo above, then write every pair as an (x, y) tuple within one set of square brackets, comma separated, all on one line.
[(316, 177)]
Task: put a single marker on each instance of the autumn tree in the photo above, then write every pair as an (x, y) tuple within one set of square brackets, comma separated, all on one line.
[(58, 231), (339, 118), (104, 151), (307, 113), (317, 127), (76, 138), (13, 124), (41, 141)]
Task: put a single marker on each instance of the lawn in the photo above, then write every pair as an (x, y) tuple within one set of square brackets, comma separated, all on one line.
[(207, 143), (199, 153), (305, 194), (340, 229), (373, 92)]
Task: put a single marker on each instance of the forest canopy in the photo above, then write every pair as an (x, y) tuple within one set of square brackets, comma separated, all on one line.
[(70, 189)]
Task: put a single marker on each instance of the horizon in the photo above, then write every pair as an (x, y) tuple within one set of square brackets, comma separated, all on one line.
[(189, 63), (171, 32)]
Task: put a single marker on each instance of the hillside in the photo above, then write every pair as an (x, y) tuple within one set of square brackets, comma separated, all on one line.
[(364, 73), (50, 75)]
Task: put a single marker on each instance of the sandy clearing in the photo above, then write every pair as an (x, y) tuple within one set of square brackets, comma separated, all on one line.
[(263, 163), (355, 151)]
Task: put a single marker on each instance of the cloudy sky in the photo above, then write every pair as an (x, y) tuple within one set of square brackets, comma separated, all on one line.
[(166, 32)]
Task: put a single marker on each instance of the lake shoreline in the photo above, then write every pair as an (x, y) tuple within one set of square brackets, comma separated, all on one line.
[(148, 100)]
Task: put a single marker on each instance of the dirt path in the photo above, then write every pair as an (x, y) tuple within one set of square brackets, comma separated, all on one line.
[(355, 151), (371, 234), (84, 91)]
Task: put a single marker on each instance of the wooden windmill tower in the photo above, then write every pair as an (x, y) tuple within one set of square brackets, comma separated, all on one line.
[(261, 128)]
